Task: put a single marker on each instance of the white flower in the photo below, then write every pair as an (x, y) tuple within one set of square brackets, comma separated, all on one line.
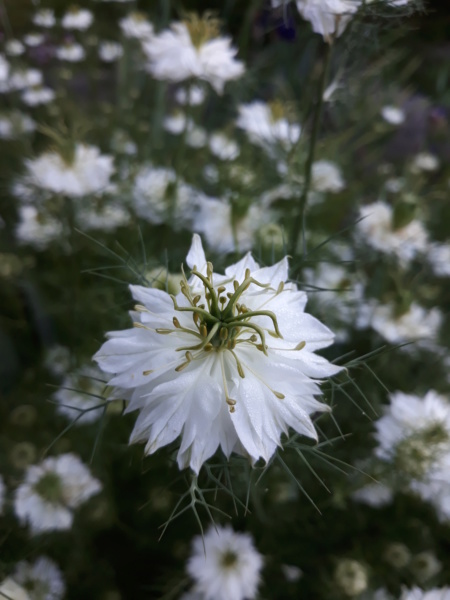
[(57, 360), (38, 95), (107, 216), (196, 137), (225, 565), (71, 51), (12, 591), (37, 229), (374, 494), (77, 18), (222, 147), (193, 49), (158, 197), (225, 232), (14, 48), (33, 39), (4, 69), (193, 95), (87, 172), (439, 258), (110, 51), (243, 368), (266, 126), (327, 177), (393, 115), (24, 78), (14, 124), (351, 576), (424, 161), (45, 17), (413, 325), (136, 26), (328, 17), (175, 123), (51, 491), (377, 228), (42, 579), (418, 594), (81, 391)]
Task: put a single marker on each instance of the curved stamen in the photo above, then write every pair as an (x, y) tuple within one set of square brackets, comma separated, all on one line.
[(261, 313), (258, 330)]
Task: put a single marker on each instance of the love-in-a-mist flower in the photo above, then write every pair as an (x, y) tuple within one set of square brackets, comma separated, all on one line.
[(225, 565), (328, 17), (193, 48), (51, 491), (229, 361), (42, 579)]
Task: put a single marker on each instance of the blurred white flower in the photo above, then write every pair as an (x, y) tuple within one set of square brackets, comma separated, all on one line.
[(418, 594), (193, 95), (71, 52), (105, 215), (57, 360), (413, 325), (38, 95), (14, 48), (393, 115), (2, 494), (438, 256), (13, 591), (329, 18), (42, 579), (109, 51), (266, 125), (225, 232), (292, 573), (14, 124), (196, 137), (377, 229), (51, 491), (79, 394), (4, 69), (33, 39), (193, 49), (225, 565), (424, 161), (45, 17), (425, 565), (394, 185), (37, 229), (175, 123), (326, 177), (87, 171), (136, 26), (77, 18), (374, 494), (223, 147), (24, 78), (351, 577), (236, 374)]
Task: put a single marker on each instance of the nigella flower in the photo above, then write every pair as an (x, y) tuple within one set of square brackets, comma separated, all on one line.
[(230, 361), (225, 565), (193, 48), (42, 579)]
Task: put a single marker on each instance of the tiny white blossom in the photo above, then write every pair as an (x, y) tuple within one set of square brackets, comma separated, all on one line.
[(33, 39), (351, 577), (80, 393), (24, 78), (42, 579), (104, 215), (438, 256), (71, 52), (136, 26), (36, 229), (266, 125), (377, 229), (413, 325), (51, 491), (45, 17), (193, 49), (374, 494), (4, 69), (2, 494), (175, 123), (225, 565), (14, 48), (14, 124), (110, 51), (393, 115), (194, 371), (424, 161), (222, 147), (38, 95), (329, 18), (327, 177), (87, 172), (77, 18)]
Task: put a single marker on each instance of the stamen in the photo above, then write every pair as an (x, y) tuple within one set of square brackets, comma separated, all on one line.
[(176, 322), (149, 372)]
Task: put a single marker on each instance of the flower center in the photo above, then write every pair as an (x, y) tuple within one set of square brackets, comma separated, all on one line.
[(50, 488), (228, 559), (415, 453), (201, 30)]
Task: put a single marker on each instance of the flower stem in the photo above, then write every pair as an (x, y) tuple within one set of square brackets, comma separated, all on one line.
[(300, 218)]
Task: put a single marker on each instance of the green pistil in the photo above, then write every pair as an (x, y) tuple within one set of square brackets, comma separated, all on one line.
[(50, 488)]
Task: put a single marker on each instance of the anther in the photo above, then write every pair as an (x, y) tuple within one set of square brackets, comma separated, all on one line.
[(280, 287), (196, 299), (208, 347), (232, 409), (247, 273), (223, 333), (235, 285), (254, 338), (300, 346), (176, 322), (221, 289), (163, 331), (147, 372), (279, 395), (222, 300), (203, 330), (229, 295), (230, 401)]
